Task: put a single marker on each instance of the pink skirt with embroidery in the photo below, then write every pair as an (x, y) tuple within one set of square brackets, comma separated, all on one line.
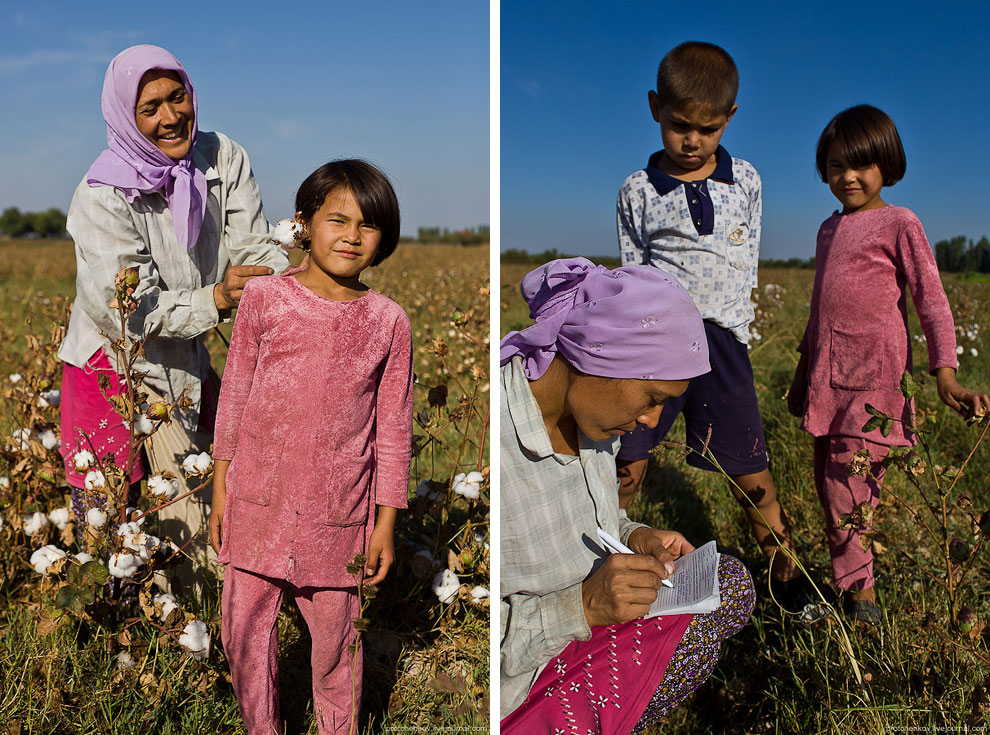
[(83, 408), (601, 685)]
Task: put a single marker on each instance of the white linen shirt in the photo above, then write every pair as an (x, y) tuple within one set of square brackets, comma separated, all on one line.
[(655, 227), (176, 286), (551, 507)]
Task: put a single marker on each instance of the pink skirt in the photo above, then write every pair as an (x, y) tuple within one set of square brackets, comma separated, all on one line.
[(601, 685), (83, 408)]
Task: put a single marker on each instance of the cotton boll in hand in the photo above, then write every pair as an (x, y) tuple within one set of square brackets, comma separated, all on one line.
[(34, 523), (60, 518), (195, 639), (445, 586), (43, 558)]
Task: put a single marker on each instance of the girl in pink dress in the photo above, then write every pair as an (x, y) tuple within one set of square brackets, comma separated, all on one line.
[(313, 435), (856, 346)]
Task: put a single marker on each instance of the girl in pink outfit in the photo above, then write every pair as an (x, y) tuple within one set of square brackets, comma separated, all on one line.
[(313, 436), (856, 346)]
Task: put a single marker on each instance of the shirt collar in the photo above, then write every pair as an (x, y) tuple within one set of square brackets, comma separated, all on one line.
[(201, 162), (665, 183)]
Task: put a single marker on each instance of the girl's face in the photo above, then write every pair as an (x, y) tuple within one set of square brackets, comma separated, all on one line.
[(164, 113), (608, 407), (857, 188), (342, 243)]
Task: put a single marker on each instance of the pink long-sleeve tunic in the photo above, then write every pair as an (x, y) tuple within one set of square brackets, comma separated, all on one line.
[(315, 415), (857, 338)]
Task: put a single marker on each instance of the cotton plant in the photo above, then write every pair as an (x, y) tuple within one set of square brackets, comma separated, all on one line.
[(197, 464), (60, 518), (35, 523), (468, 485), (195, 640), (163, 486), (44, 560), (445, 586)]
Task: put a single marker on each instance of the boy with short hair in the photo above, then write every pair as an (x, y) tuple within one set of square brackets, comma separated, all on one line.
[(695, 212)]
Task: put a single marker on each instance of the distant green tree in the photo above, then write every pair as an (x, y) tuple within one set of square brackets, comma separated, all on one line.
[(13, 223)]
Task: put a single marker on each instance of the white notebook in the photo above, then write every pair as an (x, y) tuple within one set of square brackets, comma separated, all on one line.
[(695, 589)]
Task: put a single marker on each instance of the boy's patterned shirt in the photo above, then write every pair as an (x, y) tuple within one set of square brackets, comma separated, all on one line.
[(661, 221)]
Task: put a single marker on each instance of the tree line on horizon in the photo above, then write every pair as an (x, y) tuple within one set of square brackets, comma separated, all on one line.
[(15, 223)]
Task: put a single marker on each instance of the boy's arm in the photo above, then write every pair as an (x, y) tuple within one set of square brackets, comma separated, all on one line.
[(381, 546), (393, 419), (632, 251), (220, 467), (756, 226)]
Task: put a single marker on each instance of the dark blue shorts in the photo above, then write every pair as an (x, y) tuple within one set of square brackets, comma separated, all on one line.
[(725, 401)]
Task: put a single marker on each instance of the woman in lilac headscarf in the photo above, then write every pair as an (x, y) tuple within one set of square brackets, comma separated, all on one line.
[(607, 348), (182, 206)]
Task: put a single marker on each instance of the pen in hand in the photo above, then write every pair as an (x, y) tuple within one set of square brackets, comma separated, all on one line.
[(617, 547)]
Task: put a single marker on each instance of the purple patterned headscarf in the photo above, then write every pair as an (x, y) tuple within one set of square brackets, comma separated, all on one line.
[(631, 322), (134, 164)]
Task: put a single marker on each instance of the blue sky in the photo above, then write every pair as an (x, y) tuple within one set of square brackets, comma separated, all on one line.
[(405, 85), (575, 119)]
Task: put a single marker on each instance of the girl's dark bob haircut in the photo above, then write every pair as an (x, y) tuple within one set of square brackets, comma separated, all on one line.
[(863, 135), (371, 189)]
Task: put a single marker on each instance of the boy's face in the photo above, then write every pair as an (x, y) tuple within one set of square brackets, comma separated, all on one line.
[(690, 134)]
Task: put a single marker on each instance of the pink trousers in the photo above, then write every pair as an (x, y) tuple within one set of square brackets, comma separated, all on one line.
[(249, 632), (840, 492)]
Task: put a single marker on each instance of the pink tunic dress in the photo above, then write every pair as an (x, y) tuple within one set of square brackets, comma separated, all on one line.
[(315, 415), (857, 337)]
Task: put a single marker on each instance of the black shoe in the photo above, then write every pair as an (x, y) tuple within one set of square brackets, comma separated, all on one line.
[(863, 611), (798, 596)]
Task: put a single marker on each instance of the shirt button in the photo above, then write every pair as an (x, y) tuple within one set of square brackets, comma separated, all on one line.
[(694, 184), (694, 201), (699, 221)]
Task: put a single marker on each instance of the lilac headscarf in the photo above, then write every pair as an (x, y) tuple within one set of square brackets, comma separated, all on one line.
[(133, 163), (631, 322)]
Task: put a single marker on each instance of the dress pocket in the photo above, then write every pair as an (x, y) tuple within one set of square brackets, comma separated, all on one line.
[(856, 359), (737, 245), (347, 491), (257, 467)]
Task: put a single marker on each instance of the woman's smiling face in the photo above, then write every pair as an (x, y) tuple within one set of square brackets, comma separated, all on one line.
[(164, 113), (607, 407)]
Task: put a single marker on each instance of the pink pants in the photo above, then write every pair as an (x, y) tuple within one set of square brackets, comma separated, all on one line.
[(840, 492), (249, 632)]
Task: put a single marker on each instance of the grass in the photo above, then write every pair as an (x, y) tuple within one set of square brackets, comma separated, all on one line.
[(780, 676), (426, 664)]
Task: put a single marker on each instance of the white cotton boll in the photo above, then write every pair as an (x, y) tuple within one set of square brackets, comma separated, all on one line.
[(130, 528), (60, 518), (195, 639), (203, 463), (83, 460), (44, 557), (22, 438), (284, 233), (973, 351), (94, 480), (34, 523), (124, 565), (142, 425), (124, 661), (96, 518), (49, 398), (143, 543), (468, 485), (4, 482), (48, 439), (959, 349), (15, 378), (82, 557), (163, 488), (478, 594), (168, 604), (445, 586), (189, 464)]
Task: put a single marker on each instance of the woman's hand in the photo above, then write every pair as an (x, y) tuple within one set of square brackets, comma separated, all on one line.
[(622, 589), (220, 467), (227, 293), (798, 392), (381, 546), (953, 395)]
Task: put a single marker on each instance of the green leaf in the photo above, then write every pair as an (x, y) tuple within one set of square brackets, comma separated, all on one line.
[(909, 387), (73, 574), (85, 596), (872, 424), (95, 572), (65, 597), (886, 426), (873, 412)]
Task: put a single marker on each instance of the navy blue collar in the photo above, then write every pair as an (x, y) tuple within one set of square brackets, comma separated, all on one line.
[(665, 183)]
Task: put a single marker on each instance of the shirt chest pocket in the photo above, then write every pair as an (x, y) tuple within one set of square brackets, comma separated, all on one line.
[(736, 238), (346, 485)]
